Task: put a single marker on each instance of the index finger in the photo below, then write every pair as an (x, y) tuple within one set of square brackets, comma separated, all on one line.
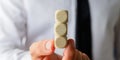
[(69, 51)]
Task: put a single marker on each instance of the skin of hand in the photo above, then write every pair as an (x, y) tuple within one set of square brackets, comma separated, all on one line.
[(44, 50)]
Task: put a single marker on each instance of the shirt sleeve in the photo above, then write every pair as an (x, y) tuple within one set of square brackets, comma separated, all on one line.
[(13, 30)]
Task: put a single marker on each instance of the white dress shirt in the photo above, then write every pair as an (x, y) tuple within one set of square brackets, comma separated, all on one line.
[(23, 22)]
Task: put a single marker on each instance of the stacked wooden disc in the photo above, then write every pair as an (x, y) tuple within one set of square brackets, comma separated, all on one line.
[(61, 19)]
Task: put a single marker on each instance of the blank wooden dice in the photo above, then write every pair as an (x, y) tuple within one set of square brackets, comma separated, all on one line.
[(61, 19), (60, 29), (61, 16), (60, 42)]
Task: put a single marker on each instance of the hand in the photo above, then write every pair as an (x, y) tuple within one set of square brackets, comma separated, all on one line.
[(44, 50)]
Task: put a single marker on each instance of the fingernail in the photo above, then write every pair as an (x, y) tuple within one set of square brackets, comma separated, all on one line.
[(72, 42), (48, 45)]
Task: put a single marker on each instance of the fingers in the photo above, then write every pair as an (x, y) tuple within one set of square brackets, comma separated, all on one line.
[(46, 58), (55, 57), (85, 57), (42, 48), (77, 55), (69, 51), (50, 57), (81, 56)]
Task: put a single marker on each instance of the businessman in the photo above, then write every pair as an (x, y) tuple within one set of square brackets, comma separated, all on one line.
[(26, 29)]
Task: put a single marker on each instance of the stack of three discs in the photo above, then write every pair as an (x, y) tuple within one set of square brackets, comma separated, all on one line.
[(61, 19)]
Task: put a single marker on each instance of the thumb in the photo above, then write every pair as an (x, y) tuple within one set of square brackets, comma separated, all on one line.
[(42, 48)]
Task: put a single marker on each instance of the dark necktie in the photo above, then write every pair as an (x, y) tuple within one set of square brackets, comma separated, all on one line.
[(83, 28)]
